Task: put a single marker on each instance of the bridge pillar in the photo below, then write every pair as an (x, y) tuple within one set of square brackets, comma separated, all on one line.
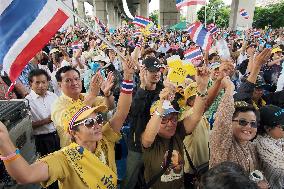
[(100, 10), (143, 8), (81, 9), (111, 14), (169, 14), (237, 22)]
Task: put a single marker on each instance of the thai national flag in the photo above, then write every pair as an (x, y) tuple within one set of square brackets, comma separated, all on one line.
[(25, 27), (193, 54), (137, 34), (141, 21), (101, 24), (256, 33), (77, 45), (212, 28), (153, 34), (186, 3), (200, 35), (244, 14)]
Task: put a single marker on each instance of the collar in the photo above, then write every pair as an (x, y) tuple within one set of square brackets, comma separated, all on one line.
[(35, 96), (81, 97)]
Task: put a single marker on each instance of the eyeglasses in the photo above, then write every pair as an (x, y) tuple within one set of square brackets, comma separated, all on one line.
[(91, 122), (244, 123), (172, 118), (281, 127)]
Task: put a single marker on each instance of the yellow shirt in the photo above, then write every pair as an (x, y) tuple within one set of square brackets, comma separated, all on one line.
[(60, 169), (57, 110), (197, 144)]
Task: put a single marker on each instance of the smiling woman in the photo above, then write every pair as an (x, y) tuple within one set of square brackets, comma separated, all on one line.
[(234, 128)]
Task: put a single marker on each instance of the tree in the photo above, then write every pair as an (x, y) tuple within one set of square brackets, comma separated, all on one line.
[(272, 14), (216, 12), (154, 16)]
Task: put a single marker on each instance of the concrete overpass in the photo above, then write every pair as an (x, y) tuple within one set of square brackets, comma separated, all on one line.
[(111, 12)]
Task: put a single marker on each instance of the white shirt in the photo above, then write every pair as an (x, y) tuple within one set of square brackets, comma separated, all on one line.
[(41, 109)]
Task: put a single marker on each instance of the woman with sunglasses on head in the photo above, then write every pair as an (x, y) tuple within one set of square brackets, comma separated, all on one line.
[(270, 144), (234, 127), (89, 161)]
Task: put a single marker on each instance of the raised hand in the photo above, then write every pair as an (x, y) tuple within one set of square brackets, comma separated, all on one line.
[(202, 78), (96, 83), (166, 94), (108, 84), (226, 69), (227, 83), (142, 76), (262, 58), (128, 66)]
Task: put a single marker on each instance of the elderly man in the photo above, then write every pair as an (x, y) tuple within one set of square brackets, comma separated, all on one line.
[(69, 81), (89, 161)]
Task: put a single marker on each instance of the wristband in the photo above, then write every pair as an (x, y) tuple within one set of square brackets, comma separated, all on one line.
[(9, 157), (201, 94), (127, 87), (139, 44)]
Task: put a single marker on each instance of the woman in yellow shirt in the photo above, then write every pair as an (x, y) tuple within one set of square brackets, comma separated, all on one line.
[(88, 162)]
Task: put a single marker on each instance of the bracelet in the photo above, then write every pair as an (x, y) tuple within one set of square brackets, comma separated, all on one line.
[(139, 44), (201, 94), (6, 158), (127, 87), (158, 114), (12, 159)]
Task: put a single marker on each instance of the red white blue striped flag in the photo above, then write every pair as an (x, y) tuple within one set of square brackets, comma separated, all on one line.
[(141, 21), (193, 54), (186, 3), (25, 27), (200, 35)]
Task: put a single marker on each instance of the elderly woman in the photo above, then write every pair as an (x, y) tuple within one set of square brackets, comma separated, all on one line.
[(235, 125), (270, 144), (162, 139), (89, 161)]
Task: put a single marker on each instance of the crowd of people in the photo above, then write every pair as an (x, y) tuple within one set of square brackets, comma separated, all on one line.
[(101, 120)]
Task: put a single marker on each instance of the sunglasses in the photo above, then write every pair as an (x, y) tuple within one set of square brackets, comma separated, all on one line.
[(91, 122), (244, 123), (172, 118)]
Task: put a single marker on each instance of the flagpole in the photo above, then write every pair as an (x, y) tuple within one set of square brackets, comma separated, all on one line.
[(205, 12), (92, 29)]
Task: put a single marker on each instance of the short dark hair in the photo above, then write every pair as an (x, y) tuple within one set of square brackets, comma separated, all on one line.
[(37, 72), (245, 108), (226, 175), (64, 69)]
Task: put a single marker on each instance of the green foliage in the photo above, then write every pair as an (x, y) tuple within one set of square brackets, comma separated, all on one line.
[(154, 16), (272, 14), (216, 12)]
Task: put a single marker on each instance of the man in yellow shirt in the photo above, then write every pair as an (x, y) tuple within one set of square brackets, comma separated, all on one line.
[(69, 81), (88, 162)]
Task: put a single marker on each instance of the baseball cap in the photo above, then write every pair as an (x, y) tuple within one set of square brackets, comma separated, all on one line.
[(79, 111), (275, 50), (152, 64), (271, 115), (168, 108)]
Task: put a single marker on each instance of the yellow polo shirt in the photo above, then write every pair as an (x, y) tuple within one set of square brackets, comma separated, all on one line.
[(60, 169), (57, 111)]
